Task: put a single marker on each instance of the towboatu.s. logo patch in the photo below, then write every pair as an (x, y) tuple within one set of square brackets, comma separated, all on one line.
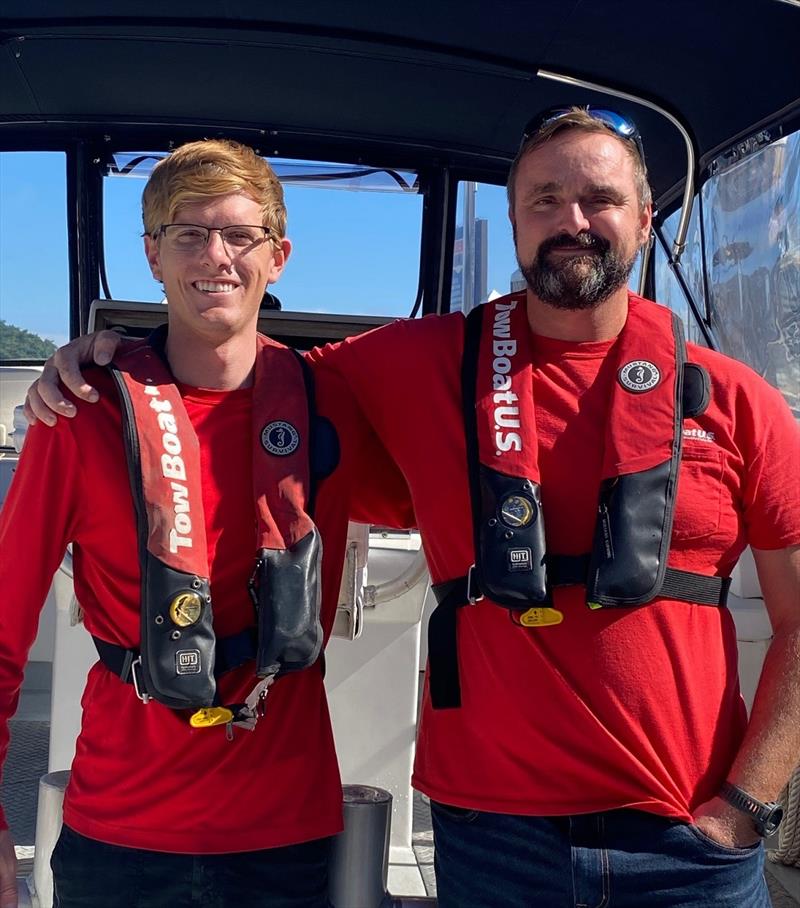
[(639, 375), (280, 438)]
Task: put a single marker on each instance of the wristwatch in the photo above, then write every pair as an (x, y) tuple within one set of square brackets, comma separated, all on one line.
[(766, 817)]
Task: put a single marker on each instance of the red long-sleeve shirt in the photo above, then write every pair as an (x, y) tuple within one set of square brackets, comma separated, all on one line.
[(142, 777)]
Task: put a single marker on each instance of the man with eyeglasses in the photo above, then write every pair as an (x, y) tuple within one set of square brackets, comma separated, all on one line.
[(205, 771), (584, 484)]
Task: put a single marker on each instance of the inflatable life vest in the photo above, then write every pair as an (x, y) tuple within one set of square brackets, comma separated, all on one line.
[(179, 657), (656, 389)]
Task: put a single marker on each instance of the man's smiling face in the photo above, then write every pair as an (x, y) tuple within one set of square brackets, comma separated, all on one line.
[(577, 218), (216, 292)]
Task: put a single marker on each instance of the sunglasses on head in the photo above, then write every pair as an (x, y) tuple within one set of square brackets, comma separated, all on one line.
[(619, 125)]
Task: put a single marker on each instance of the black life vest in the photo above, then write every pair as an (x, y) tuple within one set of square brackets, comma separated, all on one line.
[(656, 389), (179, 657)]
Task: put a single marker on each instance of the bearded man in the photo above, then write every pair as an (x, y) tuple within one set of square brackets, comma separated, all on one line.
[(584, 485)]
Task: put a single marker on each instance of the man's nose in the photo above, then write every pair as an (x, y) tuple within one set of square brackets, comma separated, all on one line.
[(216, 251), (573, 218)]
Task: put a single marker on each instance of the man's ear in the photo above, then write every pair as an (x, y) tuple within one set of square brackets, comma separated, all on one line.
[(279, 259), (646, 223), (153, 257), (513, 221)]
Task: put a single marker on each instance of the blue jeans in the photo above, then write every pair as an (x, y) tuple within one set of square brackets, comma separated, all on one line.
[(615, 859), (92, 874)]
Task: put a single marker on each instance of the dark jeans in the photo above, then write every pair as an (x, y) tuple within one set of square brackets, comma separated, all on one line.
[(616, 859), (91, 874)]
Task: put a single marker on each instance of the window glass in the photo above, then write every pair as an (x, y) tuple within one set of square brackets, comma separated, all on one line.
[(34, 269), (753, 256), (692, 258), (34, 273), (484, 263), (355, 235), (636, 274), (670, 293)]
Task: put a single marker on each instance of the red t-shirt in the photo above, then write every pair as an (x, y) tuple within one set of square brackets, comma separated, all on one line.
[(142, 777), (631, 707)]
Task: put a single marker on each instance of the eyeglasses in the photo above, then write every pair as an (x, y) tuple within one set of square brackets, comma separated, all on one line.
[(195, 238), (621, 126)]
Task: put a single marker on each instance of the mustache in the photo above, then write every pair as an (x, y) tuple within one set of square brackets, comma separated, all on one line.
[(586, 240)]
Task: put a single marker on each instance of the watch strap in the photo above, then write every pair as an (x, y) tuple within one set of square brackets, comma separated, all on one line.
[(762, 814)]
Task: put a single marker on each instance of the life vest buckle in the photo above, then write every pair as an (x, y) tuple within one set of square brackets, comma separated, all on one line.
[(473, 589), (138, 683), (254, 707), (253, 584)]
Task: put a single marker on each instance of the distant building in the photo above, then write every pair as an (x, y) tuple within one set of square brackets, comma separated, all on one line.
[(517, 281), (481, 260), (478, 260)]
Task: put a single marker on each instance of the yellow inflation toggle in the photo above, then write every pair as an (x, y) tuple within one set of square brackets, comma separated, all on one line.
[(208, 718), (541, 617)]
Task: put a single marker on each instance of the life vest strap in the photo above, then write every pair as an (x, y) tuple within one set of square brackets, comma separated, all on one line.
[(229, 653), (562, 570), (443, 673), (685, 586)]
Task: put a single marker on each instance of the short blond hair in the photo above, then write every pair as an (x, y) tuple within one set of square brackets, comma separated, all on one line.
[(581, 120), (212, 167)]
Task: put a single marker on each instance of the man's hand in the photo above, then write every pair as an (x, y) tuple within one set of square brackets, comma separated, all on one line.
[(45, 400), (724, 824), (8, 871)]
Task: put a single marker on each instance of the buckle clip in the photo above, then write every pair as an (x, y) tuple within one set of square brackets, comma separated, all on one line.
[(254, 707), (472, 583), (138, 685), (253, 584)]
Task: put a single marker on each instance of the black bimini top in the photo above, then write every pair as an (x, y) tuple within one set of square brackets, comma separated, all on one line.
[(447, 83)]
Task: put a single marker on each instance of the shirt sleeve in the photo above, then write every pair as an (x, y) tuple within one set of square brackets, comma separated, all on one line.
[(37, 520), (379, 493), (771, 488)]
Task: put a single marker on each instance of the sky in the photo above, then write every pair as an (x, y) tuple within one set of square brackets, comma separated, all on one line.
[(353, 252)]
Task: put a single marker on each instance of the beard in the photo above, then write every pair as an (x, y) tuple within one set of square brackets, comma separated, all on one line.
[(580, 281)]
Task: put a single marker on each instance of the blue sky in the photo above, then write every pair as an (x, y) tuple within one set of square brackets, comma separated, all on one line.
[(353, 252)]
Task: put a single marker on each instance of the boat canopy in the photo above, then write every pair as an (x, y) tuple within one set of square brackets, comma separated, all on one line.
[(450, 85)]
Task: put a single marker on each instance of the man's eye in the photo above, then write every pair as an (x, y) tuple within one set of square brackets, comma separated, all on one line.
[(241, 237), (188, 234)]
